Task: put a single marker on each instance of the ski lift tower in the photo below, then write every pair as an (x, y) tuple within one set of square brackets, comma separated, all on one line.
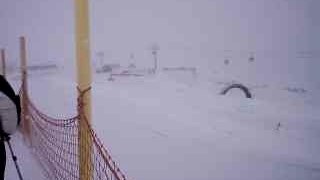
[(100, 55), (154, 50)]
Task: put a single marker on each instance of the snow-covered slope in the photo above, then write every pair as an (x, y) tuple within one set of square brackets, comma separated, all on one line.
[(159, 128), (169, 130)]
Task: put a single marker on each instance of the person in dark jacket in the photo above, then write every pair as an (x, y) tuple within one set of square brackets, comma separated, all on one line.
[(9, 118)]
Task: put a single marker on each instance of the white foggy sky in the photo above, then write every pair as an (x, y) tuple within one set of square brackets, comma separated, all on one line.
[(192, 32)]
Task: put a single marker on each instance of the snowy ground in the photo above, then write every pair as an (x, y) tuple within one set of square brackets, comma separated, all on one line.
[(158, 128)]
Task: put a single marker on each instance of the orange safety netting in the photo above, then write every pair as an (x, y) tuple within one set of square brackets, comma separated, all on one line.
[(56, 145)]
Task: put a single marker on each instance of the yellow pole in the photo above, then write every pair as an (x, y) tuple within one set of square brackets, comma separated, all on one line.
[(23, 57), (3, 61), (84, 84)]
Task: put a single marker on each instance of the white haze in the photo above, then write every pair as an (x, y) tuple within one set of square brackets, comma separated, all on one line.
[(175, 126)]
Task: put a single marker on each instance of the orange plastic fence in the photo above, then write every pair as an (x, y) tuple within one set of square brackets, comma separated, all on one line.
[(55, 143)]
